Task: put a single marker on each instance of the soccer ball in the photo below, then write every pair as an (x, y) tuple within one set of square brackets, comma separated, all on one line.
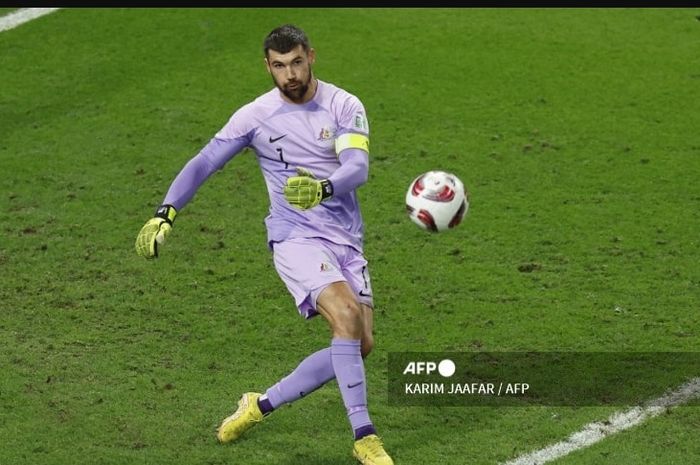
[(437, 201)]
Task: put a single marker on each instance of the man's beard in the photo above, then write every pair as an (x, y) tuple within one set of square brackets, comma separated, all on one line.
[(295, 95)]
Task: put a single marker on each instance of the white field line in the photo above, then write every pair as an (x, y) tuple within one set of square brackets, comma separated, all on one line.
[(21, 16), (619, 421)]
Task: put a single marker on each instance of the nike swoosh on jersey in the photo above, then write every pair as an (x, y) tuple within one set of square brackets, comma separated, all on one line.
[(275, 139)]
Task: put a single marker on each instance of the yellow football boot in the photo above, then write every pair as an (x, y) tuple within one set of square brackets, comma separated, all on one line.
[(245, 417), (370, 451)]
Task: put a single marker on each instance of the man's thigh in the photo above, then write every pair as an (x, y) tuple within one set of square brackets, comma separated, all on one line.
[(306, 267)]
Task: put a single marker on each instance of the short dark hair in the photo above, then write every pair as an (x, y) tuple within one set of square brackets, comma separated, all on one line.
[(284, 38)]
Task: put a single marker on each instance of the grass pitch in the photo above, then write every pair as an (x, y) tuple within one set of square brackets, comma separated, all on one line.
[(575, 131)]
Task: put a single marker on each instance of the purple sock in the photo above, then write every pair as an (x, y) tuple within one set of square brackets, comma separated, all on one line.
[(265, 405), (312, 373), (363, 431), (350, 373)]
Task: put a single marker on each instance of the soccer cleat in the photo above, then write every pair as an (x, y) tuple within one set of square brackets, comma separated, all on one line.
[(370, 451), (245, 417)]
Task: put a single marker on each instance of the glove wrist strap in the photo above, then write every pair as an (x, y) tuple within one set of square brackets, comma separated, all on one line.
[(167, 212), (326, 189)]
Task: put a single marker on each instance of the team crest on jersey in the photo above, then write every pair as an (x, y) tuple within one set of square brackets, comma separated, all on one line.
[(325, 134), (326, 266)]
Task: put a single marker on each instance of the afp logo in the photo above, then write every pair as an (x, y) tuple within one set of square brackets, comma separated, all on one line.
[(445, 367)]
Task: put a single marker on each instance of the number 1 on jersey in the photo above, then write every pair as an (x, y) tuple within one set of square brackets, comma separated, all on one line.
[(279, 150)]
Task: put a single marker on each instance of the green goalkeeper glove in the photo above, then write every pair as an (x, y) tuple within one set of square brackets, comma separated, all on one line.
[(155, 230), (305, 191)]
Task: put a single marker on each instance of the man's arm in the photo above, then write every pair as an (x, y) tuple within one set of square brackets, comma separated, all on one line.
[(211, 158), (305, 191), (353, 171)]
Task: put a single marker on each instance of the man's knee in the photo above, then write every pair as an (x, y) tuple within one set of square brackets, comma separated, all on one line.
[(338, 304), (349, 318)]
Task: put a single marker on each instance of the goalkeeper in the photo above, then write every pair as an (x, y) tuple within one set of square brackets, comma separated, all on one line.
[(311, 139)]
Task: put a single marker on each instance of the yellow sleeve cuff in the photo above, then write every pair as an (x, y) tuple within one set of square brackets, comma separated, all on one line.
[(351, 141)]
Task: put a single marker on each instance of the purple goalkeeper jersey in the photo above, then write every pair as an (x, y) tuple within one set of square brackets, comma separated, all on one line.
[(285, 136)]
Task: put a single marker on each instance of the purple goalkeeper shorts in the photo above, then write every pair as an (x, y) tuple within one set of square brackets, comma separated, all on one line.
[(308, 265)]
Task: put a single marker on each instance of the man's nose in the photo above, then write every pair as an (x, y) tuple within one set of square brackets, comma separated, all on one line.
[(291, 75)]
